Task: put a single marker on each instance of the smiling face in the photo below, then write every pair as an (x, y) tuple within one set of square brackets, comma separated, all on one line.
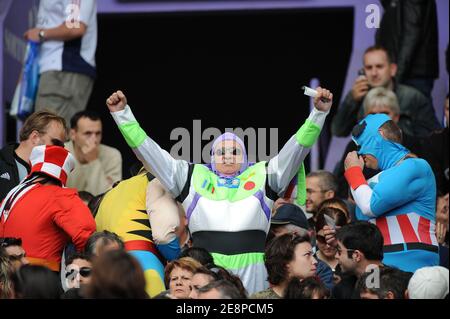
[(228, 157), (180, 283), (315, 194)]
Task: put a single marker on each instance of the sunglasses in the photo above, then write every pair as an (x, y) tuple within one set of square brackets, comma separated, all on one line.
[(231, 150), (84, 272)]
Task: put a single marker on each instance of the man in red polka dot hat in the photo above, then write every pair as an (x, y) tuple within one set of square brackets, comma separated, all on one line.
[(43, 212)]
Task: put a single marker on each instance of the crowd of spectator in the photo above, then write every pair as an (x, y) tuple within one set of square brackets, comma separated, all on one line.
[(374, 228)]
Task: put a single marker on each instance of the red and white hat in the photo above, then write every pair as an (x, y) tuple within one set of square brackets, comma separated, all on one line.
[(54, 161)]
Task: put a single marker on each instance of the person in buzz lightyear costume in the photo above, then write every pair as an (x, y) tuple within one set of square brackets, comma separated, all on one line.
[(228, 203)]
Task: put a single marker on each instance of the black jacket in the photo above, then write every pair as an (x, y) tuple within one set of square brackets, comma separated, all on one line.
[(409, 32), (417, 116), (436, 152), (9, 175)]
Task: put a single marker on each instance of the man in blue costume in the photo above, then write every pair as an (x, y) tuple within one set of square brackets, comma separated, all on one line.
[(400, 200)]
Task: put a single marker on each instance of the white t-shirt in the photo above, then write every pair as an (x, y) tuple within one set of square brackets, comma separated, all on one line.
[(76, 55)]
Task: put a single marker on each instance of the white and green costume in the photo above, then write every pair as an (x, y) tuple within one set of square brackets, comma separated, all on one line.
[(228, 217)]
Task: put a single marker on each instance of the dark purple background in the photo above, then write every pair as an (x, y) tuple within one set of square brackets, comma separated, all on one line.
[(15, 18)]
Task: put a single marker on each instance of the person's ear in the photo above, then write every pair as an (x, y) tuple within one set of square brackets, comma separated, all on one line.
[(393, 69), (288, 269), (34, 138), (357, 256), (329, 194), (72, 133), (382, 133), (396, 118)]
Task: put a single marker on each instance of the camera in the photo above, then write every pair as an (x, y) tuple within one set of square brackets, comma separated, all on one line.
[(361, 72)]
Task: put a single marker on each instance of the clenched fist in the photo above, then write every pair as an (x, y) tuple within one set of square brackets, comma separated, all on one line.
[(323, 100), (353, 159), (116, 102)]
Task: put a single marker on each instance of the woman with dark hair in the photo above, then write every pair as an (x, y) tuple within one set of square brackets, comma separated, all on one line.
[(309, 288), (336, 203), (102, 241), (78, 270), (287, 256), (36, 282), (198, 253), (116, 275), (336, 214)]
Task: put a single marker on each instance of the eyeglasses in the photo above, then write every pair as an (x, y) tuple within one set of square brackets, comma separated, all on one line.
[(84, 272), (230, 150), (313, 191)]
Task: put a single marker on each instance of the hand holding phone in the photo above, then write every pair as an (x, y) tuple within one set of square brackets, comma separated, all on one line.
[(360, 87)]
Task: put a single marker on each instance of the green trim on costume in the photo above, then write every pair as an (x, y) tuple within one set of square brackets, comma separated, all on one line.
[(300, 199), (134, 135), (308, 133), (252, 180), (238, 261)]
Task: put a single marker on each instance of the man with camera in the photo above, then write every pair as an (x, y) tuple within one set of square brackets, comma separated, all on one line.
[(417, 116)]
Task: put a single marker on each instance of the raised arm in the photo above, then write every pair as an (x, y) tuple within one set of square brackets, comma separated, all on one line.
[(170, 172), (283, 167)]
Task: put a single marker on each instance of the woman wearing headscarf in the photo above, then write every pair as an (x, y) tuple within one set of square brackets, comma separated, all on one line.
[(228, 203)]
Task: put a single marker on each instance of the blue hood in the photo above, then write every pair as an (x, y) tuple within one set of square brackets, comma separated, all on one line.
[(370, 141)]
